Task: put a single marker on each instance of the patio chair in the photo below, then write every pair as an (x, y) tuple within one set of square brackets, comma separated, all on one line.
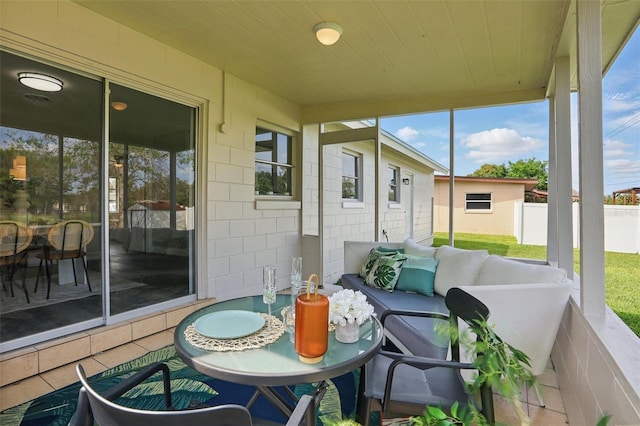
[(92, 405), (404, 384), (15, 239), (67, 241)]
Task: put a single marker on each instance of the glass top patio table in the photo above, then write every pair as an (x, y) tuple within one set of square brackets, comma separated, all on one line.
[(275, 364)]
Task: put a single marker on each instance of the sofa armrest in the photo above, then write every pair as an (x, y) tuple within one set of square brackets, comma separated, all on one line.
[(527, 316)]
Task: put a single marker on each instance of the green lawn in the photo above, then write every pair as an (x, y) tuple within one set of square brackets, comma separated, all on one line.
[(622, 270)]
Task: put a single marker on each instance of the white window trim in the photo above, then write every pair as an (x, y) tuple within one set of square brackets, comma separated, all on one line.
[(359, 177), (489, 210), (279, 198)]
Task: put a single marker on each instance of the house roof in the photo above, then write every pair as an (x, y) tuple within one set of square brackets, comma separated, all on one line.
[(400, 146), (529, 184), (394, 57)]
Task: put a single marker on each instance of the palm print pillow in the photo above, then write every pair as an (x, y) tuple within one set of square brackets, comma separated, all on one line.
[(385, 272)]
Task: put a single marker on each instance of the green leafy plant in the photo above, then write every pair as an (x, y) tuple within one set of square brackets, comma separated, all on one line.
[(498, 364)]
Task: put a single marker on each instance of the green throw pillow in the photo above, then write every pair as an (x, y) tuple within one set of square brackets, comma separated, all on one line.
[(390, 250), (385, 272), (368, 264), (418, 274)]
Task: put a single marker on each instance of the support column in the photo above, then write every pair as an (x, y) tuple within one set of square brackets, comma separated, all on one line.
[(563, 176), (552, 184), (590, 157), (378, 162)]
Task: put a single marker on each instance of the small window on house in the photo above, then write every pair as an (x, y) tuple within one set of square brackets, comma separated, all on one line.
[(394, 195), (478, 201), (273, 162), (350, 176)]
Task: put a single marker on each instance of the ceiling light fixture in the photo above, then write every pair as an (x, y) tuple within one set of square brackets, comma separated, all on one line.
[(119, 106), (328, 33), (42, 82)]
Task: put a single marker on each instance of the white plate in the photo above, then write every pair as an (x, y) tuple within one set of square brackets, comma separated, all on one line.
[(229, 324)]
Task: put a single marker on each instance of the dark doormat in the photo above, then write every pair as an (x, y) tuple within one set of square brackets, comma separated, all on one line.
[(56, 408)]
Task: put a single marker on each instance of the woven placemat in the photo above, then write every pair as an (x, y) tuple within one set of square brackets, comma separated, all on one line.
[(260, 338)]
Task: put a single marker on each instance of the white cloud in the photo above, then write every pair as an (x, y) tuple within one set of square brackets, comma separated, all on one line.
[(614, 148), (419, 145), (498, 145), (624, 167), (407, 133)]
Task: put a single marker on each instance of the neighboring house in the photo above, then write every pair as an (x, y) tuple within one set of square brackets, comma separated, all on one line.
[(481, 205), (405, 195)]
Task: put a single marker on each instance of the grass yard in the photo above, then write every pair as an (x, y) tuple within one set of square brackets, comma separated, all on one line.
[(622, 270)]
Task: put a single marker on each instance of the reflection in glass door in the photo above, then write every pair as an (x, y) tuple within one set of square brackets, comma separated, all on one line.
[(53, 181), (151, 199), (50, 176)]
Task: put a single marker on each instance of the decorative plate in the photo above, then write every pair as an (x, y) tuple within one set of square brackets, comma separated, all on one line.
[(229, 324)]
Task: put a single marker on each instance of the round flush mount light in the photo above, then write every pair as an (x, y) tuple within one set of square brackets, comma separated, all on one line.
[(38, 81), (119, 106), (328, 33)]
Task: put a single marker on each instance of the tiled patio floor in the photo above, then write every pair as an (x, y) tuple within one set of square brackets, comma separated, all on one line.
[(17, 393)]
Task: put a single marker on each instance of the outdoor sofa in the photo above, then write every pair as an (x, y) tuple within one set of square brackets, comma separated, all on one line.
[(526, 300)]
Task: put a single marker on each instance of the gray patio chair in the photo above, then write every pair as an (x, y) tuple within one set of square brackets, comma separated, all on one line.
[(101, 408), (405, 384)]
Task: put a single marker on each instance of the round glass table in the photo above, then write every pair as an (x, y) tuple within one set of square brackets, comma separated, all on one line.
[(275, 364)]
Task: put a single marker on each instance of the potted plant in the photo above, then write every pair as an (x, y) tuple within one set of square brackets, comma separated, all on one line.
[(498, 364), (348, 310)]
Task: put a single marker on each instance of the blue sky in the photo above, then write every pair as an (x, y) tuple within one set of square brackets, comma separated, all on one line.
[(509, 133)]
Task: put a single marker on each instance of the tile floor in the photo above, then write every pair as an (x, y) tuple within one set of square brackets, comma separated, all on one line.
[(553, 414)]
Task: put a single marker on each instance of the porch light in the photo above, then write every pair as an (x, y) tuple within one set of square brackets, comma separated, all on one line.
[(119, 106), (328, 33), (42, 82)]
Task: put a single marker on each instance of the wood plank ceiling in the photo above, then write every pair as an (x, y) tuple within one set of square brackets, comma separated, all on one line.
[(394, 56)]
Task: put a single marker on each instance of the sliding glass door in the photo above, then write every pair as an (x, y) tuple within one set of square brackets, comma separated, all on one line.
[(74, 194)]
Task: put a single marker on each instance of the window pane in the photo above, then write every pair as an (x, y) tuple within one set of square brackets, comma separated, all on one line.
[(393, 181), (479, 196), (481, 205), (349, 188), (273, 149), (349, 165)]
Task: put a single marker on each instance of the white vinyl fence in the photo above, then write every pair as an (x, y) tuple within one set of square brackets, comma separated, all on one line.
[(621, 226)]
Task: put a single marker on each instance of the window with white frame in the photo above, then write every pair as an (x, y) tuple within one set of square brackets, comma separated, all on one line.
[(274, 162), (478, 201), (351, 172), (394, 189)]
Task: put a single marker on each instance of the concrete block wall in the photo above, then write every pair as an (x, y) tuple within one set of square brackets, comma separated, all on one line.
[(596, 362)]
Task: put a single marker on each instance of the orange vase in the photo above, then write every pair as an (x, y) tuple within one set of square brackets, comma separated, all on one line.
[(312, 324)]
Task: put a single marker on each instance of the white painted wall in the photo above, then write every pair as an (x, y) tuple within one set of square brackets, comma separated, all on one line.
[(621, 226), (354, 221), (237, 238)]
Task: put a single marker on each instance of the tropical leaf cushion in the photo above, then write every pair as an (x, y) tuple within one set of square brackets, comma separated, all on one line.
[(385, 271), (374, 254), (418, 274), (368, 264)]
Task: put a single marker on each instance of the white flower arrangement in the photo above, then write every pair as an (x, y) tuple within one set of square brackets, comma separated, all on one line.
[(348, 306)]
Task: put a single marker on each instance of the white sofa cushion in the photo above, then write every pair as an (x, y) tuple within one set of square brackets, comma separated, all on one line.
[(457, 267), (527, 316), (498, 270), (414, 249)]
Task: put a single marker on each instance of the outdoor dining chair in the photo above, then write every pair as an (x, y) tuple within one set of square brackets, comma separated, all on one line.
[(405, 384), (15, 239), (101, 408), (66, 241)]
